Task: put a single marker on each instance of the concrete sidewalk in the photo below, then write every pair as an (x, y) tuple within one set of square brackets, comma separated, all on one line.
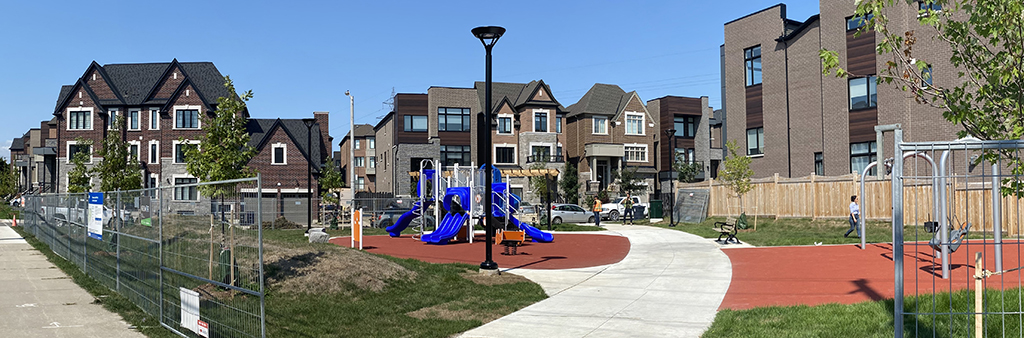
[(669, 285), (38, 300)]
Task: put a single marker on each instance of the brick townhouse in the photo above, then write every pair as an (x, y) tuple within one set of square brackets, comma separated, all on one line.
[(793, 120), (33, 157), (697, 137), (365, 151), (164, 105)]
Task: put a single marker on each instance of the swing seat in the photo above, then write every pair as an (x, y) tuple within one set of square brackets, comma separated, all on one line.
[(956, 238)]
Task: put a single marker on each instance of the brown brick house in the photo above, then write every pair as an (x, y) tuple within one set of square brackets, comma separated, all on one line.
[(365, 170)]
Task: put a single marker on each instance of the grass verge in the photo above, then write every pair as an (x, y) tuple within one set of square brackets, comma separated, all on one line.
[(875, 319), (7, 212), (793, 231), (111, 300)]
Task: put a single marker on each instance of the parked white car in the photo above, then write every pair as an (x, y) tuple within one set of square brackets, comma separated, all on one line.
[(616, 208)]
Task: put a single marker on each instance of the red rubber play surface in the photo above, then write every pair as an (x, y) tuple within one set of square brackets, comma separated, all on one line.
[(565, 252), (846, 274)]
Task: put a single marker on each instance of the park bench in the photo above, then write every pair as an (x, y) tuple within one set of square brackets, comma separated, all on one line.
[(726, 229)]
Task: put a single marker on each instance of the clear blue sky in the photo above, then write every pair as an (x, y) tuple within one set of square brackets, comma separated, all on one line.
[(301, 56)]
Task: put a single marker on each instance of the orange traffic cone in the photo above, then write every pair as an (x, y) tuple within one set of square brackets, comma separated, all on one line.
[(15, 221)]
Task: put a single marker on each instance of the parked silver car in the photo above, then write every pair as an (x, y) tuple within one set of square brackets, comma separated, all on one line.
[(570, 213)]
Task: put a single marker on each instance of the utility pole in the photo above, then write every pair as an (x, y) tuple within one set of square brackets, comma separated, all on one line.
[(352, 149)]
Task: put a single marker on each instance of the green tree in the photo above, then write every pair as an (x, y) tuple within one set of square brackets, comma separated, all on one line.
[(569, 185), (630, 181), (330, 179), (686, 171), (8, 180), (539, 184), (736, 172), (79, 175), (118, 168), (986, 40), (223, 152)]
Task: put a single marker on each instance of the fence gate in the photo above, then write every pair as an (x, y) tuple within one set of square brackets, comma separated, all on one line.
[(957, 272), (190, 255)]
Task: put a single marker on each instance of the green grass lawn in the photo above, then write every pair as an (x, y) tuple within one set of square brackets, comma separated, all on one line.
[(792, 231), (874, 319), (8, 212)]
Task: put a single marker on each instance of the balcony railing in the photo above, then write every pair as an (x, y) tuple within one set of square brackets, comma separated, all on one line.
[(545, 158)]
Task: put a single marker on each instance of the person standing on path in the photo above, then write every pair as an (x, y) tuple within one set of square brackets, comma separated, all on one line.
[(628, 203), (854, 216), (597, 211)]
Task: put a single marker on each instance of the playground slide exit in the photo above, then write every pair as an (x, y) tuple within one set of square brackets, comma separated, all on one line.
[(449, 228), (536, 234)]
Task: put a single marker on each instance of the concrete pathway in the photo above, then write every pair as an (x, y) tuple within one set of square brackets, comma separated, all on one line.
[(669, 285), (38, 300)]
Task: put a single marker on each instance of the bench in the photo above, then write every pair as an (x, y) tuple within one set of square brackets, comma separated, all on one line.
[(727, 230)]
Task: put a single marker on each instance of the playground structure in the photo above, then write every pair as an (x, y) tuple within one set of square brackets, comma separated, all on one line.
[(460, 192)]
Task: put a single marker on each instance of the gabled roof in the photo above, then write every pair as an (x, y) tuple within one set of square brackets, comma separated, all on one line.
[(17, 144), (362, 131), (260, 131), (518, 94), (134, 81), (602, 99), (65, 90)]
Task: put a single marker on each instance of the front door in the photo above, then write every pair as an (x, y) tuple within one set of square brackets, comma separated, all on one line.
[(603, 175)]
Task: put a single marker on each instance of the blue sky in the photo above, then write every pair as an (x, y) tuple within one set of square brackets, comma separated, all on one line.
[(301, 56)]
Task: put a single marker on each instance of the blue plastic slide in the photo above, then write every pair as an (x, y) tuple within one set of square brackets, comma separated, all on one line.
[(536, 234), (449, 228), (395, 230)]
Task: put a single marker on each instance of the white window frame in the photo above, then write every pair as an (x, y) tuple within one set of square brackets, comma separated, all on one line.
[(138, 149), (646, 152), (371, 162), (371, 143), (273, 152), (111, 117), (359, 143), (67, 118), (174, 149), (547, 119), (511, 127), (149, 150), (594, 125), (174, 187), (558, 123), (154, 112), (138, 119), (67, 151), (156, 178), (515, 153), (551, 148), (199, 119), (643, 121), (359, 162)]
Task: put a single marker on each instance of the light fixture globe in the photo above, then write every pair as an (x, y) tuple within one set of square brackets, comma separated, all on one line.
[(488, 35)]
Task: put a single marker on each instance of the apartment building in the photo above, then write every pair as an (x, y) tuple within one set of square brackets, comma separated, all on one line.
[(365, 170), (793, 120)]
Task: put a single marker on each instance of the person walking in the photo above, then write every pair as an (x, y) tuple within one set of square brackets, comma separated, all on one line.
[(628, 204), (597, 211), (854, 217)]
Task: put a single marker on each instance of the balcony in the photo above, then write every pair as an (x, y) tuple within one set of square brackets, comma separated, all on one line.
[(545, 158)]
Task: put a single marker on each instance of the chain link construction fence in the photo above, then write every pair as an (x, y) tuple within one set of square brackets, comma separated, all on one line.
[(191, 260)]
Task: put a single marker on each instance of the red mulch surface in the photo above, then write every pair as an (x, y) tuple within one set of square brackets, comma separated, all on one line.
[(565, 252), (845, 274)]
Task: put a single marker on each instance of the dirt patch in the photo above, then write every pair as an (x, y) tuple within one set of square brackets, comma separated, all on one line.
[(457, 310), (211, 291), (497, 279), (329, 270)]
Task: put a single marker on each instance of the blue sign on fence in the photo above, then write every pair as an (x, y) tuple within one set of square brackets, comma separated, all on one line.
[(96, 215)]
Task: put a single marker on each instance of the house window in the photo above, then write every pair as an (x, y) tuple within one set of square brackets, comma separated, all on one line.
[(505, 155), (111, 118), (450, 155), (154, 152), (80, 120), (752, 59), (133, 151), (154, 119), (504, 125), (540, 122), (372, 161), (540, 153), (600, 125), (371, 143), (78, 148), (926, 77), (755, 141), (862, 154), (558, 124), (925, 8), (453, 119), (358, 144), (634, 124), (133, 119), (686, 126), (186, 193), (415, 123), (186, 119), (819, 164), (360, 162), (179, 151), (636, 153), (863, 93), (280, 154), (855, 22), (685, 155), (360, 183)]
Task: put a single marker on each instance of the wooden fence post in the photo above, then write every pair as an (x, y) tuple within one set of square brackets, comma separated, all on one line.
[(814, 198), (776, 195), (711, 197)]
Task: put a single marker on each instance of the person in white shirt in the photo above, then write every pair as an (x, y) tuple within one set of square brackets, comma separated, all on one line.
[(854, 216)]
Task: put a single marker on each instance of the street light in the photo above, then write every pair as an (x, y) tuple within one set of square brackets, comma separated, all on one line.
[(352, 152), (488, 36), (309, 170), (671, 133)]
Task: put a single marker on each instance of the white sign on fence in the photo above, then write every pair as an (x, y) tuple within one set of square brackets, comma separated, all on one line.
[(190, 310), (96, 215)]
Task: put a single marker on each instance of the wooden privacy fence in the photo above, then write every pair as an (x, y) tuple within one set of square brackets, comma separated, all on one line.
[(829, 197)]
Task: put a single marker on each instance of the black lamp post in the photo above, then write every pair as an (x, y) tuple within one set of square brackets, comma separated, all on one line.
[(309, 171), (671, 133), (488, 35)]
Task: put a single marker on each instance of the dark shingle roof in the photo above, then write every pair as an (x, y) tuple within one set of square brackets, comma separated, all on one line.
[(604, 99), (207, 79), (135, 80), (362, 130), (65, 90), (18, 144), (261, 129), (517, 93)]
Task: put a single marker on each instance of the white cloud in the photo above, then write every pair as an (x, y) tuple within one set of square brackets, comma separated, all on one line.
[(5, 150)]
